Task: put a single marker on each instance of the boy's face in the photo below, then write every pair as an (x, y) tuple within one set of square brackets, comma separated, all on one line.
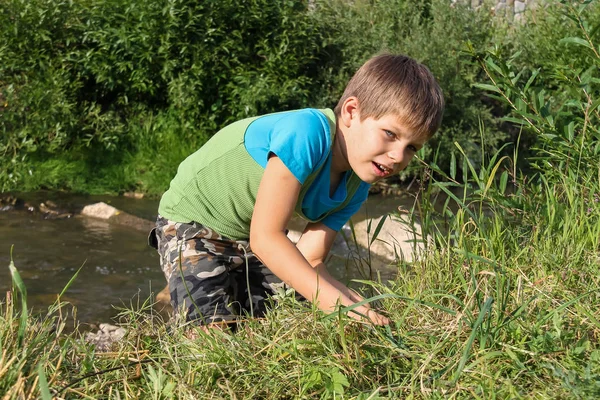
[(378, 148)]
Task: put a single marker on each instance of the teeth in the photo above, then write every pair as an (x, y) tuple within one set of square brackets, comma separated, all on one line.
[(384, 169)]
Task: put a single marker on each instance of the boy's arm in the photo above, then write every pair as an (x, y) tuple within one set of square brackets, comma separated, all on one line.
[(314, 244), (275, 202)]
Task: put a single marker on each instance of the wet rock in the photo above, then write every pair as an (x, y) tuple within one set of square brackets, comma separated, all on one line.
[(106, 336), (397, 239), (8, 202), (51, 211), (99, 210), (134, 195), (48, 209), (111, 214)]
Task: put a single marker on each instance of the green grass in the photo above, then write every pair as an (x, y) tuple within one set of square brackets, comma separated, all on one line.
[(504, 305), (161, 143)]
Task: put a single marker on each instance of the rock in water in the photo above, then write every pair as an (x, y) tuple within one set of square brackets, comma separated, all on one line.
[(99, 210)]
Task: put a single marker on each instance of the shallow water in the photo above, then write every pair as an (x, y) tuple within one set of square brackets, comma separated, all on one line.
[(116, 264), (118, 268)]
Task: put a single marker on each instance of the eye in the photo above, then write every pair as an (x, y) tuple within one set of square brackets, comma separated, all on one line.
[(390, 134), (412, 148)]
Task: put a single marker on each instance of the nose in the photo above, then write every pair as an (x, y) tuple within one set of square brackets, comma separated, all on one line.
[(396, 154)]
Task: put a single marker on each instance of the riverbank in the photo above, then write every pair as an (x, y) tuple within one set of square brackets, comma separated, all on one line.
[(503, 304)]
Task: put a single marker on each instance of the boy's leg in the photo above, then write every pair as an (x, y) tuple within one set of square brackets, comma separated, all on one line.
[(262, 284), (196, 262)]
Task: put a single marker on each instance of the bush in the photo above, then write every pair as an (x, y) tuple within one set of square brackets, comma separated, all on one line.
[(96, 83), (81, 71), (555, 101), (435, 33)]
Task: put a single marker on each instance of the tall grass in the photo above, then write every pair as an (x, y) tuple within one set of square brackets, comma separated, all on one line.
[(504, 305)]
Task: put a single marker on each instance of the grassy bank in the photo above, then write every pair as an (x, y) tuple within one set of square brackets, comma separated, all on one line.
[(504, 305)]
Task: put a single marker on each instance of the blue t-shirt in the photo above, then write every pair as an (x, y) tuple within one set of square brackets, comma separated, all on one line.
[(302, 140)]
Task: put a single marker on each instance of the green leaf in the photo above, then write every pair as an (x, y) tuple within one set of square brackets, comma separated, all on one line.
[(339, 381), (518, 121), (534, 75), (18, 283), (571, 131), (378, 229), (71, 281), (45, 391), (594, 31), (490, 63), (487, 87), (463, 360), (577, 41), (594, 105), (493, 175), (503, 181)]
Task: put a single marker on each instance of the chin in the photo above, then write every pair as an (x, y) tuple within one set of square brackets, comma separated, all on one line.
[(370, 179)]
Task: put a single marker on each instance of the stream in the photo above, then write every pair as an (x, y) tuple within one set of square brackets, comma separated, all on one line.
[(116, 266)]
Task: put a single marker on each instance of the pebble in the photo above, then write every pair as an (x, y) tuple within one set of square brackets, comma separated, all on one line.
[(106, 336)]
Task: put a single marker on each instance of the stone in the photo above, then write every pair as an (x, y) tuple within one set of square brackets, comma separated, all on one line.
[(99, 210), (106, 336), (519, 7), (134, 195), (111, 214), (396, 240)]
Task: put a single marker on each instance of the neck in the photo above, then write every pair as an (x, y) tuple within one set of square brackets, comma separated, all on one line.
[(339, 158)]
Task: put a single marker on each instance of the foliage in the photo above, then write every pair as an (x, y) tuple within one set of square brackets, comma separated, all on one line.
[(503, 304), (78, 75), (109, 96), (434, 32), (558, 106), (82, 77)]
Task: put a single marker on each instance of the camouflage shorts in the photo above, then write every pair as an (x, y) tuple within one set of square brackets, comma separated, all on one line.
[(212, 278)]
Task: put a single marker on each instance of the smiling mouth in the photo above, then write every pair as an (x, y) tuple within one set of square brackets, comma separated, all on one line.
[(383, 171)]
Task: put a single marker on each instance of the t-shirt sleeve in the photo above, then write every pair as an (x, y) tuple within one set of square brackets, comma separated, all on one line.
[(338, 219), (301, 139)]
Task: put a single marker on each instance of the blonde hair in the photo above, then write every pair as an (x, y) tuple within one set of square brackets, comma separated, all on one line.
[(398, 85)]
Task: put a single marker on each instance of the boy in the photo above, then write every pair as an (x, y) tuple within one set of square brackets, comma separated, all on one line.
[(221, 230)]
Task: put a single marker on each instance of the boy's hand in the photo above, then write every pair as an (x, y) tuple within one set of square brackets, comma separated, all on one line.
[(371, 316)]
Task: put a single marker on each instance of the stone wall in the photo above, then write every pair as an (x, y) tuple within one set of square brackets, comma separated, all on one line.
[(510, 9)]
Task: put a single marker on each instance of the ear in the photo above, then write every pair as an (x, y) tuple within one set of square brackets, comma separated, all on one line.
[(349, 110)]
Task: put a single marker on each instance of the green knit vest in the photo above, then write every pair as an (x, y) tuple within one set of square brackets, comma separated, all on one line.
[(207, 190)]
